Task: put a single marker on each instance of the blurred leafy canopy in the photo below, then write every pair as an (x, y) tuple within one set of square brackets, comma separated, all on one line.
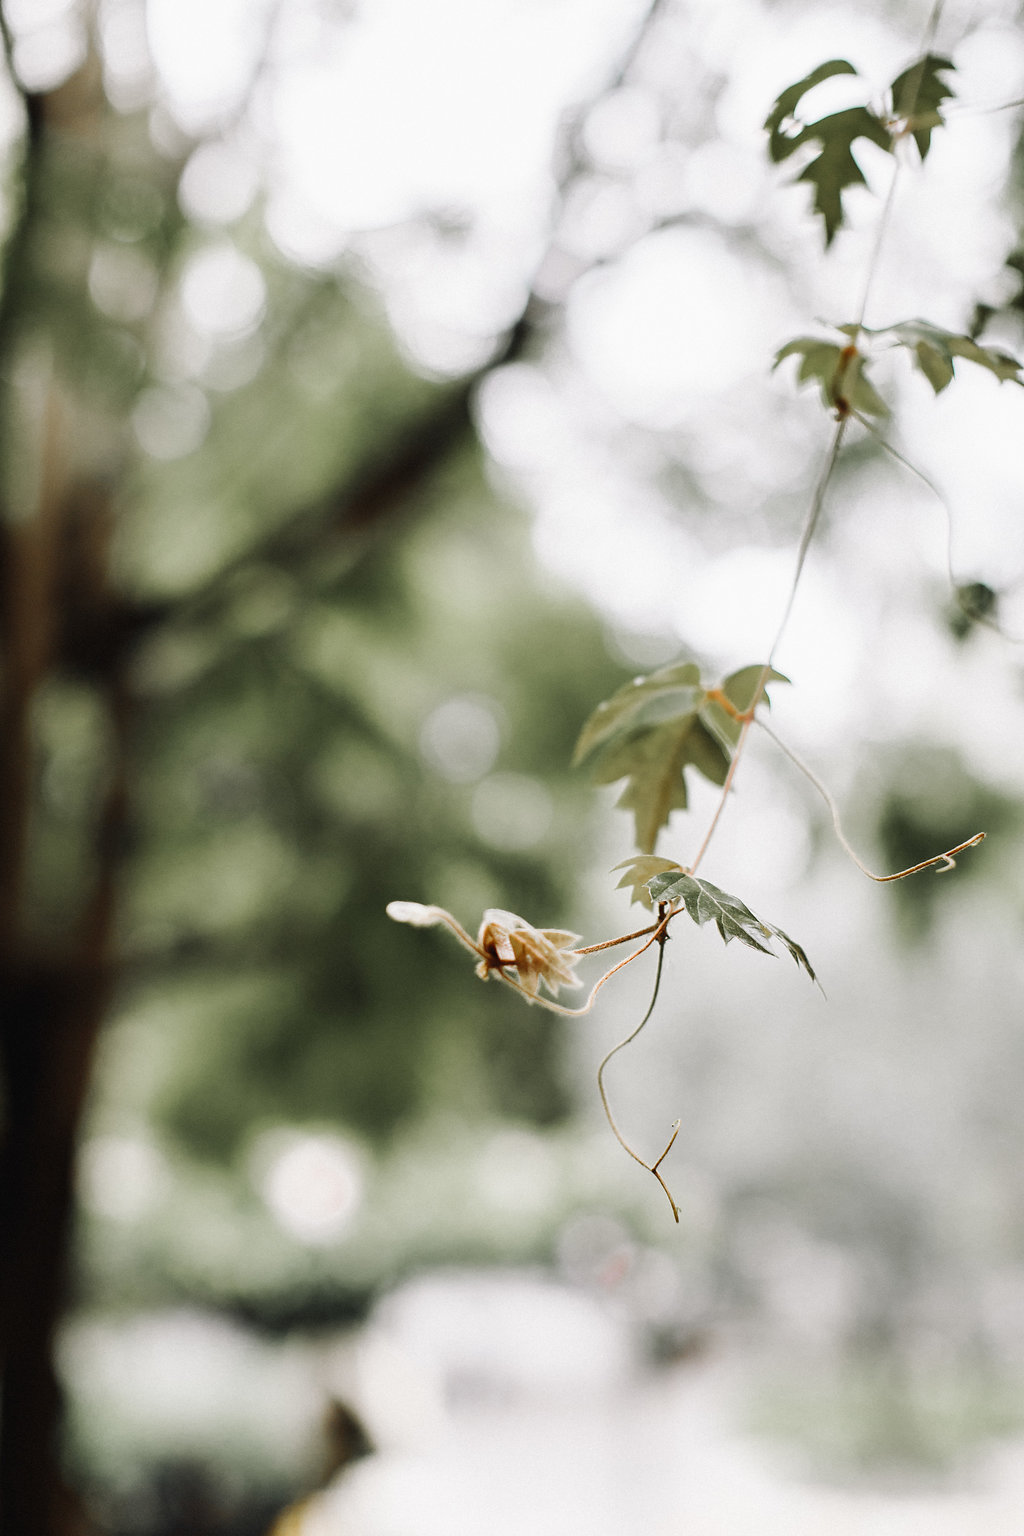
[(286, 650), (289, 762)]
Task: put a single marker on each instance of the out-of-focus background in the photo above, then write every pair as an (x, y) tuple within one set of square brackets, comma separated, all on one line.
[(382, 383)]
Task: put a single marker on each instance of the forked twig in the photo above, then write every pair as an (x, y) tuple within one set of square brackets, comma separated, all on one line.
[(662, 938)]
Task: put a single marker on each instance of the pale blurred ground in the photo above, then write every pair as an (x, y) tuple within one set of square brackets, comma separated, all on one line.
[(548, 1426), (662, 1460), (504, 1403)]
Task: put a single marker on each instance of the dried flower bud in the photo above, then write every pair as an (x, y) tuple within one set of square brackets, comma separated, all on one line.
[(538, 954)]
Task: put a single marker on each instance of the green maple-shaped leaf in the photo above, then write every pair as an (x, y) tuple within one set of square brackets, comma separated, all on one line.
[(656, 727), (648, 733), (741, 687), (933, 350), (917, 97), (644, 702), (842, 377), (653, 763), (641, 868), (705, 903), (783, 129), (834, 168), (936, 363)]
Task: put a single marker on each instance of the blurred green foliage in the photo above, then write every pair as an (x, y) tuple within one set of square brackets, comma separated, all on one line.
[(284, 798), (284, 581)]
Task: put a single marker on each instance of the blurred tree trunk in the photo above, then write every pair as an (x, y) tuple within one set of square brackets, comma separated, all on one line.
[(61, 618), (56, 618), (62, 621)]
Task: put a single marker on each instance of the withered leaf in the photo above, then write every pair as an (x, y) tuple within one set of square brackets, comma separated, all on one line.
[(639, 869)]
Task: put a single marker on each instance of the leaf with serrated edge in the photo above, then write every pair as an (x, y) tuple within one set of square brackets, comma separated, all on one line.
[(653, 761), (797, 951), (656, 727), (917, 97), (818, 360), (937, 366), (781, 144), (1002, 364), (648, 733), (676, 688), (859, 391), (705, 903), (932, 349), (834, 169), (639, 869), (846, 386)]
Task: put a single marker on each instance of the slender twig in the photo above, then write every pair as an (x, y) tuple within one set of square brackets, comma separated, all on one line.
[(944, 861), (970, 109), (726, 788), (626, 938), (876, 253), (810, 527), (932, 26), (926, 481), (623, 1143), (955, 582), (885, 219)]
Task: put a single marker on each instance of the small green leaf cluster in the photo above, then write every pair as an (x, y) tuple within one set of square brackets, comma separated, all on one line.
[(705, 903), (656, 727), (841, 371), (933, 349), (914, 100)]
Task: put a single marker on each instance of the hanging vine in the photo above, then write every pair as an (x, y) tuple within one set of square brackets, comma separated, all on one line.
[(658, 729)]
